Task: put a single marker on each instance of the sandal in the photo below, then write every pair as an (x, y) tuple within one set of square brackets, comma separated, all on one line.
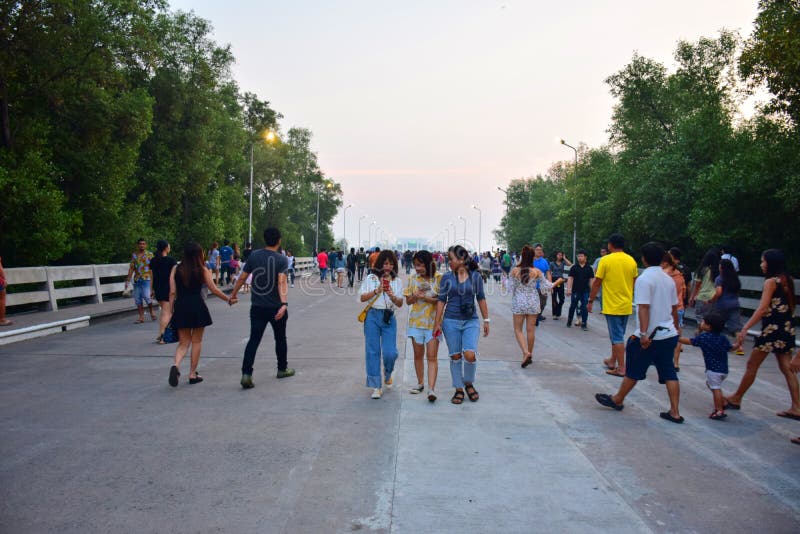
[(615, 372), (471, 393), (668, 417), (527, 361), (196, 380), (458, 397), (718, 416), (173, 376), (138, 321), (6, 322)]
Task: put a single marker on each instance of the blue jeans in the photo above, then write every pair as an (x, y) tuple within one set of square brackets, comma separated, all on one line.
[(579, 301), (322, 272), (461, 336), (379, 337), (616, 328), (141, 292)]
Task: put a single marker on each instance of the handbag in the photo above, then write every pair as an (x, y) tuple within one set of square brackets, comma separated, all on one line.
[(363, 315), (170, 335)]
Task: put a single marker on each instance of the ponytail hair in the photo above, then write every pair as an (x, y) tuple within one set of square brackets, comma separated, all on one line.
[(463, 254)]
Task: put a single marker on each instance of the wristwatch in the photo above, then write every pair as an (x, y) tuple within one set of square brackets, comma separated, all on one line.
[(285, 304)]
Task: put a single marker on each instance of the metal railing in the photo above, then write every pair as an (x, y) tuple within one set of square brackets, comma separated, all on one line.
[(91, 282)]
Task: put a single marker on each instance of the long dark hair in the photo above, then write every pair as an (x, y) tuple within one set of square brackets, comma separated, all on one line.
[(710, 260), (384, 255), (191, 267), (526, 263), (426, 259), (463, 254), (776, 268), (730, 279)]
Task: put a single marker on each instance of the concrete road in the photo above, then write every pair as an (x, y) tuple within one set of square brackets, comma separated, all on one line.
[(92, 439)]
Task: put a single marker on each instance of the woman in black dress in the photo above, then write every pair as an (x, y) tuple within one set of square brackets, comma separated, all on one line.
[(161, 266), (190, 314)]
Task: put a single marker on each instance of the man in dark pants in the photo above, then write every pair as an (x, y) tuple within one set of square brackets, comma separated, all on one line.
[(351, 267), (269, 306), (361, 260)]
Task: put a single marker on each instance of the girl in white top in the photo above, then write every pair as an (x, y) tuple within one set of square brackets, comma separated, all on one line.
[(384, 289)]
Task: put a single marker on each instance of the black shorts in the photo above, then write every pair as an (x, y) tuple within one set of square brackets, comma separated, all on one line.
[(660, 354)]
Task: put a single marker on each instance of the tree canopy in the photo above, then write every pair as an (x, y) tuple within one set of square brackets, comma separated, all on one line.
[(120, 119), (682, 166)]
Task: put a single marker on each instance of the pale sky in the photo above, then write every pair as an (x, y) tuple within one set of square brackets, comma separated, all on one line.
[(422, 108)]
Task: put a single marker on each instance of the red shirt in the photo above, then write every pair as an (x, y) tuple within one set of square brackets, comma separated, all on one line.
[(322, 259)]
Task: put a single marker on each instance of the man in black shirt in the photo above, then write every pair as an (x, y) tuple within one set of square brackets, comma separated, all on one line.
[(268, 303), (361, 259), (578, 287), (351, 267)]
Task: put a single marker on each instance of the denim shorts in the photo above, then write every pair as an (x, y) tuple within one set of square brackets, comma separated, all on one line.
[(659, 353), (421, 336), (461, 335), (141, 292), (680, 317), (616, 328)]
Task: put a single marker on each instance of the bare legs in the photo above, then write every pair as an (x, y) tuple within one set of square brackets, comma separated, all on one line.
[(617, 358), (673, 391), (757, 357), (166, 315), (187, 337), (419, 361), (528, 338)]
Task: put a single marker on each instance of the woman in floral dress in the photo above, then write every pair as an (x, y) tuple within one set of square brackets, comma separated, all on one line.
[(777, 333), (525, 304)]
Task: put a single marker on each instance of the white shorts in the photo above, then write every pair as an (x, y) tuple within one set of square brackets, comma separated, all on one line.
[(714, 380), (341, 270)]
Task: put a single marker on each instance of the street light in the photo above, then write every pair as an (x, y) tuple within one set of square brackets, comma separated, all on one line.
[(319, 190), (359, 230), (574, 199), (465, 230), (369, 237), (269, 137), (447, 229), (480, 224), (344, 224), (455, 237)]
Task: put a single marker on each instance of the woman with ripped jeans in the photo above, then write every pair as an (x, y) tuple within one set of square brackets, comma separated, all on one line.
[(460, 295)]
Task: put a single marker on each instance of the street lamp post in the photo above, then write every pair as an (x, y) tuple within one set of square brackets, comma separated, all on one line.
[(465, 230), (359, 230), (344, 224), (574, 199), (454, 236), (447, 230), (369, 237), (480, 224)]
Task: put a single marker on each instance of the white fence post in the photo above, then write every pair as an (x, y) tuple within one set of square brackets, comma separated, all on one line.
[(98, 298)]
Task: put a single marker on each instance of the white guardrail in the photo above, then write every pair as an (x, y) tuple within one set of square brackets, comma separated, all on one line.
[(85, 281)]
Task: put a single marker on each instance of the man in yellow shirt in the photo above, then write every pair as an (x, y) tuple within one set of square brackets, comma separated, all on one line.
[(616, 274)]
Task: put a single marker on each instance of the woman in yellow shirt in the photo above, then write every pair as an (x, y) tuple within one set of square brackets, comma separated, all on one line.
[(422, 295)]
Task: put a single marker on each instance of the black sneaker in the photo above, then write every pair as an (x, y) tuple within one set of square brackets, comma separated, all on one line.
[(585, 328), (286, 373), (247, 382), (569, 324)]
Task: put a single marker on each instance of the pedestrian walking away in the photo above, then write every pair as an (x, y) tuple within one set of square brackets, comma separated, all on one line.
[(715, 347), (213, 262), (190, 316), (162, 265), (775, 311), (268, 304), (422, 294), (322, 263), (457, 318), (725, 300), (525, 304), (615, 275), (578, 287), (703, 287), (142, 279), (225, 257), (352, 263), (332, 265), (656, 333), (340, 266), (361, 260), (382, 289)]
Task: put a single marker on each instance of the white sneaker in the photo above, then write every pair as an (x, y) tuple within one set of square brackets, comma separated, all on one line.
[(377, 393), (431, 396), (419, 388)]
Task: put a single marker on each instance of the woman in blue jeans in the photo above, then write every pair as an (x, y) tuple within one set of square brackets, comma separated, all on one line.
[(457, 318), (385, 290)]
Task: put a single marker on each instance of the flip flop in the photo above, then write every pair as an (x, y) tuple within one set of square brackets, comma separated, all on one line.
[(731, 406), (796, 441), (527, 361), (173, 376), (196, 380), (138, 321), (615, 372), (6, 323), (668, 417), (605, 362), (606, 400), (788, 415)]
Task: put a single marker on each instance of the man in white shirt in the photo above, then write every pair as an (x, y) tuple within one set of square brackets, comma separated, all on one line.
[(657, 332), (728, 255)]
